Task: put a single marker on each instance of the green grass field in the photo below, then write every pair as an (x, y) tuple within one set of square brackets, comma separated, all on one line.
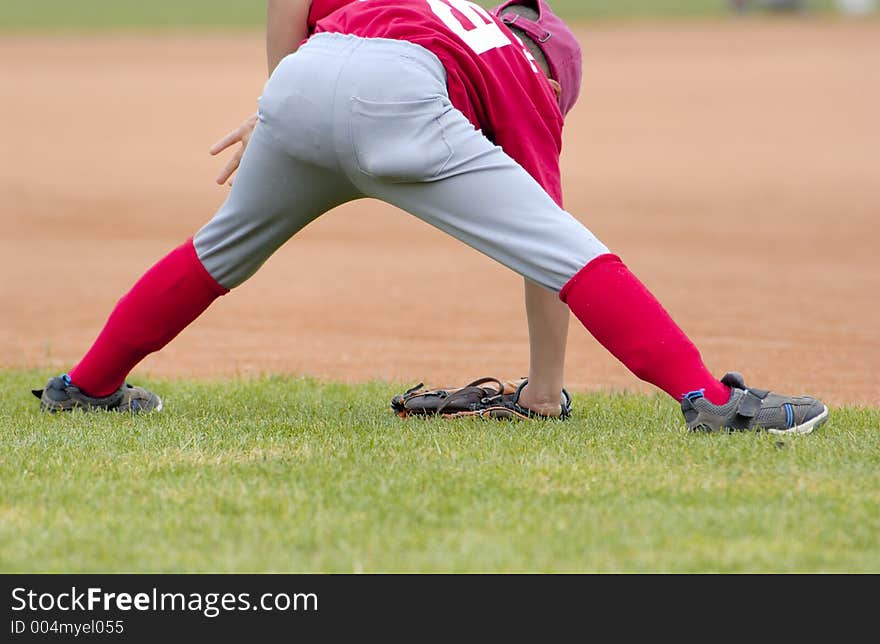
[(104, 14), (292, 475)]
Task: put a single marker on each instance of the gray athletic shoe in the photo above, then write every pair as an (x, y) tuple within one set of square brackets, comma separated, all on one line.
[(61, 395), (753, 409)]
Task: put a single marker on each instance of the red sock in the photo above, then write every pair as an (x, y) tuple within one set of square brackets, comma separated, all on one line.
[(160, 305), (628, 321)]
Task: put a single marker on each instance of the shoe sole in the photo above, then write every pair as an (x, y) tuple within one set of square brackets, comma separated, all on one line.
[(154, 399), (804, 428), (60, 409), (159, 404)]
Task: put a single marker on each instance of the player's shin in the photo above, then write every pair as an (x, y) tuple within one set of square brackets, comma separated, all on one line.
[(160, 305), (628, 320)]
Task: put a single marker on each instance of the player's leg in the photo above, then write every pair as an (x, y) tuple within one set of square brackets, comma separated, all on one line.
[(273, 197), (495, 207), (275, 194)]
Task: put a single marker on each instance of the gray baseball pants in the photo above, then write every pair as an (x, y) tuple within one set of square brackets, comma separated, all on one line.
[(347, 117)]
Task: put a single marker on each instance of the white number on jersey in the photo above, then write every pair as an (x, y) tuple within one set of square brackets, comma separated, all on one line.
[(485, 34), (525, 52)]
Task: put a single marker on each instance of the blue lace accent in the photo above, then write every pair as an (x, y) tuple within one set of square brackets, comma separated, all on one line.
[(693, 395), (789, 415), (66, 379)]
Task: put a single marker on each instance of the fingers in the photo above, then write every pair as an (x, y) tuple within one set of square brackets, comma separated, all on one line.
[(230, 168), (241, 134), (227, 141)]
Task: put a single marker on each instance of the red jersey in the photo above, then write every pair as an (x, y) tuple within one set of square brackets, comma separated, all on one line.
[(491, 77)]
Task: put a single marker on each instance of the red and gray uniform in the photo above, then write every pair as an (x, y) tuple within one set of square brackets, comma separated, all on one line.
[(433, 106)]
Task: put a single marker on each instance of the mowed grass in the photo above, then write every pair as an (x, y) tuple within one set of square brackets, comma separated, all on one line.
[(104, 14), (284, 474)]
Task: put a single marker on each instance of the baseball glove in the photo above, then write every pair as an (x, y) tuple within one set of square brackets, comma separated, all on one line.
[(484, 398)]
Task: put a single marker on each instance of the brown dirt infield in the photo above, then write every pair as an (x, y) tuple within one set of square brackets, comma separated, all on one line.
[(734, 166)]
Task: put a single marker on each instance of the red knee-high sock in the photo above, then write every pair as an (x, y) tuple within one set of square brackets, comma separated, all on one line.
[(160, 305), (628, 321)]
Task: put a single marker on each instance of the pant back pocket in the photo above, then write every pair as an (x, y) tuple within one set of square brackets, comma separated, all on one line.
[(400, 142)]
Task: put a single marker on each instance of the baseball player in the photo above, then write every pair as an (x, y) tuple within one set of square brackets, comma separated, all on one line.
[(454, 114)]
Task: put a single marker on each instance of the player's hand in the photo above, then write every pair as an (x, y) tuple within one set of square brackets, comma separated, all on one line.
[(241, 134)]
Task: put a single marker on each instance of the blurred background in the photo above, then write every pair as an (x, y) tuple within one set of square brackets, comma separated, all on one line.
[(31, 14), (728, 151)]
